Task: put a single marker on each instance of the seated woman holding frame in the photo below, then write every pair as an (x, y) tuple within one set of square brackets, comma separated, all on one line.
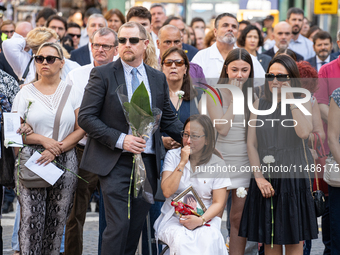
[(188, 233)]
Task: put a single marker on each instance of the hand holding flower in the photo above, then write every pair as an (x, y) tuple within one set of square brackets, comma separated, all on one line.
[(134, 144), (25, 129), (46, 158), (265, 187)]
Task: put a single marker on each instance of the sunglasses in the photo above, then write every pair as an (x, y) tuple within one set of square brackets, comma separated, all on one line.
[(8, 32), (178, 62), (73, 35), (132, 40), (49, 59), (279, 77)]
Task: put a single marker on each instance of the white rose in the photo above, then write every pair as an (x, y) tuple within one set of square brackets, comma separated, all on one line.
[(30, 100), (241, 192), (268, 159), (180, 93)]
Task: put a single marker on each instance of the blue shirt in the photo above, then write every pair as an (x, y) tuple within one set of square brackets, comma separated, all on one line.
[(303, 46)]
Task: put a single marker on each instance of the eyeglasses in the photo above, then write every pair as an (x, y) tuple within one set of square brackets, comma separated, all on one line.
[(279, 77), (192, 137), (8, 32), (178, 62), (73, 35), (49, 59), (132, 40), (105, 47)]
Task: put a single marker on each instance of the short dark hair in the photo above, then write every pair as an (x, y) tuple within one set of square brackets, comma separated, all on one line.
[(242, 39), (73, 24), (45, 13), (189, 197), (322, 35), (286, 51), (196, 19), (290, 65), (295, 10), (226, 14), (189, 91), (171, 18), (138, 11), (56, 17), (244, 22)]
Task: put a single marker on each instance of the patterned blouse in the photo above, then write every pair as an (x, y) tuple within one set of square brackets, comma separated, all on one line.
[(336, 96), (8, 86)]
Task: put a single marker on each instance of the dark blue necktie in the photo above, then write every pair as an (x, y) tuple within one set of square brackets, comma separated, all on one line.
[(322, 63)]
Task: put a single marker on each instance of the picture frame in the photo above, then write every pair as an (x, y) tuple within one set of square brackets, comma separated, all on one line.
[(190, 197)]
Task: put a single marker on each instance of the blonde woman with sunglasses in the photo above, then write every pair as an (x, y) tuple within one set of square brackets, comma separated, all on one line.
[(44, 210)]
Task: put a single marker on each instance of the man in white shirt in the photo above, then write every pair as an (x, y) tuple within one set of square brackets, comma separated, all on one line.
[(104, 47), (212, 59), (299, 43), (158, 17)]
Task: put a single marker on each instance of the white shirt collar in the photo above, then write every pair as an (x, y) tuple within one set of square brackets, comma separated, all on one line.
[(215, 53), (129, 68), (319, 61), (275, 49)]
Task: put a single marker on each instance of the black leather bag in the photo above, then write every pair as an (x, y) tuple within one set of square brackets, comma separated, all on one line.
[(7, 161), (319, 202)]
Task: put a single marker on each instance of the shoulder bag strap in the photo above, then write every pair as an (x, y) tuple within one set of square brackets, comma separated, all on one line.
[(26, 71), (310, 182), (59, 111), (314, 143)]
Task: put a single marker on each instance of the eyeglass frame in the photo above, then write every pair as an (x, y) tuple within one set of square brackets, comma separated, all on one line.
[(192, 137), (178, 62), (94, 45)]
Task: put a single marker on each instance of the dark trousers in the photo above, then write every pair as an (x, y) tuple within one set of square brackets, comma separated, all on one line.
[(334, 219), (76, 220), (326, 236), (121, 234)]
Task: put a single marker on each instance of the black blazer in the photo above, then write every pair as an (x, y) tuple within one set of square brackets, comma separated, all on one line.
[(264, 60), (189, 50), (271, 53), (312, 61), (6, 67), (81, 55), (102, 117)]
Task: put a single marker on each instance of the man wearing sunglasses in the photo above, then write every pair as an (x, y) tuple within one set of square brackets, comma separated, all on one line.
[(110, 146), (104, 49), (74, 30), (83, 55)]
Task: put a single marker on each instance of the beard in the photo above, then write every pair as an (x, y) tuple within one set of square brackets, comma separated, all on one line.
[(295, 32), (128, 58), (228, 38), (283, 45), (323, 54)]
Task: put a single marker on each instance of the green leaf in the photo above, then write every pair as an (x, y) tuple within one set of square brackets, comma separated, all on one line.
[(141, 98)]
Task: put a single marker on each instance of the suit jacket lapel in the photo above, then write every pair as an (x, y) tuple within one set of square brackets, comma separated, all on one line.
[(152, 84), (119, 74)]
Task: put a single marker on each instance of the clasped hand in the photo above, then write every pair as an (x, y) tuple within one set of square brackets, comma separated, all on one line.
[(191, 221), (53, 146)]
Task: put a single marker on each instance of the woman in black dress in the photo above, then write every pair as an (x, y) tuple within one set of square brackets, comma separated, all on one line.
[(294, 218)]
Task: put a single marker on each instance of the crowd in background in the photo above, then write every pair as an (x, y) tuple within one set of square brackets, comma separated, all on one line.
[(40, 62)]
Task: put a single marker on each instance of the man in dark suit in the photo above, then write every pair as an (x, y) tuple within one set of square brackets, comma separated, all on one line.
[(282, 37), (322, 44), (83, 55), (110, 146)]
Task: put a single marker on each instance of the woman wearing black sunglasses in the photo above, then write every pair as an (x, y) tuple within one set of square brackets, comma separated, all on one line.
[(44, 210), (280, 205), (175, 66)]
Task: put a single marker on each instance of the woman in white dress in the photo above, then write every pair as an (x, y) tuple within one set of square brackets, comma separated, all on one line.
[(44, 210), (188, 235), (231, 141)]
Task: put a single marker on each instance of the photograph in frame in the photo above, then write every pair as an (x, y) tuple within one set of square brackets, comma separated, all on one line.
[(189, 197)]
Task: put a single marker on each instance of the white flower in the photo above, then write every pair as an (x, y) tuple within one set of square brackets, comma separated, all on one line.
[(268, 159), (180, 94), (241, 192), (30, 100), (6, 143)]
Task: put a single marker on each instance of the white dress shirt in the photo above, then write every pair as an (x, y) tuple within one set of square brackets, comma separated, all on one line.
[(84, 38), (142, 76), (155, 38), (319, 61), (303, 46), (211, 61)]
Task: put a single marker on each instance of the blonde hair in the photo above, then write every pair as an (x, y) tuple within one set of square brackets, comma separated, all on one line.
[(36, 37), (53, 45), (150, 57)]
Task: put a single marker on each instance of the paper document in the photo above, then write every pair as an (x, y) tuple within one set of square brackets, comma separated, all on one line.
[(11, 125), (49, 173)]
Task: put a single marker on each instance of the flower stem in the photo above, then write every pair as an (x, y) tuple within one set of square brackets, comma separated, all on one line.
[(18, 193)]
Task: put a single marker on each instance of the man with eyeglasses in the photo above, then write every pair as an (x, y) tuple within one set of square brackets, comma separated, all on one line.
[(74, 30), (104, 49), (83, 55), (178, 22), (282, 36), (110, 146)]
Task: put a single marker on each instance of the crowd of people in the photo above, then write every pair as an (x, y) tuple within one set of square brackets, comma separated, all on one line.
[(62, 78)]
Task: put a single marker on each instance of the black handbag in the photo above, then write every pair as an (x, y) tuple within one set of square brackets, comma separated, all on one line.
[(7, 161), (318, 195)]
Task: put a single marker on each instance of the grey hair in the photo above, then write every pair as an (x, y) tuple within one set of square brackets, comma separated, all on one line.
[(158, 5), (167, 27), (97, 15), (105, 31), (142, 31), (53, 45), (226, 14)]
